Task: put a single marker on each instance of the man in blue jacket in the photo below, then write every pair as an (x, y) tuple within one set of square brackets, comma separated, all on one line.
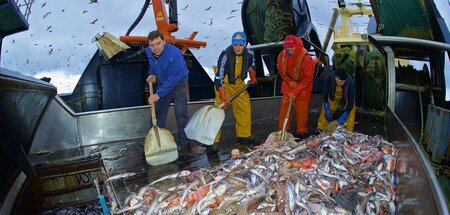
[(168, 67)]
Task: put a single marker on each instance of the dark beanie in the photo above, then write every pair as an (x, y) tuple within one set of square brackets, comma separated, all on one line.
[(340, 73)]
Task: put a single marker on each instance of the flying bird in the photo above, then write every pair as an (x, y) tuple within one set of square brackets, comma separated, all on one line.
[(232, 11), (49, 27), (43, 4), (93, 22), (184, 8), (50, 52), (85, 11), (62, 11), (93, 1), (207, 8), (13, 41), (46, 14), (239, 2), (230, 17)]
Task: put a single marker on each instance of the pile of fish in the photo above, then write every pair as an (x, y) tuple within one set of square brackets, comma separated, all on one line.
[(340, 173)]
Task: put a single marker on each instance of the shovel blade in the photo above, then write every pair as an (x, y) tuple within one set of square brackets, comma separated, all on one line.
[(205, 124), (160, 150), (276, 136)]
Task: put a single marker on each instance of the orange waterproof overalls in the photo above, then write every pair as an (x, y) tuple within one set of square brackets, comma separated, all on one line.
[(299, 68)]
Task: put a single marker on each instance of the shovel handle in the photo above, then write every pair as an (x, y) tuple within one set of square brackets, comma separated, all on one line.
[(232, 97), (152, 105), (286, 118)]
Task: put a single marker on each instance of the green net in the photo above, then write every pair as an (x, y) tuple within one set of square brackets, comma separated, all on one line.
[(278, 22), (344, 59), (407, 18), (255, 16)]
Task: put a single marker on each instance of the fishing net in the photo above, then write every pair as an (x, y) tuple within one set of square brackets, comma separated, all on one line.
[(344, 58), (278, 22)]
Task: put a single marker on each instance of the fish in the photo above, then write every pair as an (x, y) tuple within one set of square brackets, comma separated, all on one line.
[(122, 175)]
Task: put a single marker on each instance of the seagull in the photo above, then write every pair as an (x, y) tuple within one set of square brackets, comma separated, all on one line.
[(85, 11), (50, 52), (43, 5), (49, 27), (207, 8), (232, 11), (45, 15), (206, 37), (239, 2), (184, 8), (210, 23), (62, 11), (93, 22), (93, 1), (80, 44), (230, 17)]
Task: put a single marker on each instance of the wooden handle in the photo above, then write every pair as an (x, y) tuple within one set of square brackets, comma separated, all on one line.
[(286, 118), (152, 105), (232, 97)]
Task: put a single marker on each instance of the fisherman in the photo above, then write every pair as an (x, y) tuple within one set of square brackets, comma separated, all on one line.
[(232, 67), (168, 69), (339, 88), (296, 68)]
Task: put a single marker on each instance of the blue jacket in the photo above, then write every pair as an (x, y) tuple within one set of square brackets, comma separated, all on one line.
[(169, 68)]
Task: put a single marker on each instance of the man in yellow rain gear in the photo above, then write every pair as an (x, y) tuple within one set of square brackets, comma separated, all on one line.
[(339, 87), (232, 67)]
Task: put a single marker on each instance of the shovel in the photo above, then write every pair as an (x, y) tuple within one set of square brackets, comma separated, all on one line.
[(160, 147), (283, 134), (205, 124)]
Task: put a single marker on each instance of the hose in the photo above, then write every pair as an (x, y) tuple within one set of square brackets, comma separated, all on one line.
[(138, 19)]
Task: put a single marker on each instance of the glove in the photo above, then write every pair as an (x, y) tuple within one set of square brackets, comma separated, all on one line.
[(342, 118), (292, 84), (328, 114), (151, 79), (252, 74), (224, 97)]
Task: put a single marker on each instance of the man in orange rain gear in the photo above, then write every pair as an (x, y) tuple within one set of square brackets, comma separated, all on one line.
[(296, 69)]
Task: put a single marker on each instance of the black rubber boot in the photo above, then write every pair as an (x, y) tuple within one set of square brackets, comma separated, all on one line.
[(212, 149), (184, 149), (249, 141)]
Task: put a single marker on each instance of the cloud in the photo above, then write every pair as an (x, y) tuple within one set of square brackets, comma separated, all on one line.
[(61, 79)]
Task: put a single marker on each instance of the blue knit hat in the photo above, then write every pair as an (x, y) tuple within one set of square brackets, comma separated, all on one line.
[(239, 38)]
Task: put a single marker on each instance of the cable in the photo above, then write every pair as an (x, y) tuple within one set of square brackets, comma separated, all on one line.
[(138, 19)]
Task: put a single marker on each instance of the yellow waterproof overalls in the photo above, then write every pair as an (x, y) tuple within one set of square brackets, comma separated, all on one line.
[(350, 122), (241, 104)]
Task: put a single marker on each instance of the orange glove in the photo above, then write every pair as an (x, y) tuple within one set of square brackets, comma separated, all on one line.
[(151, 78), (252, 74), (224, 97), (292, 84)]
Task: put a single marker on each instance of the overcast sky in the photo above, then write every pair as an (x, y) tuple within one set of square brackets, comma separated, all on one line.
[(59, 43)]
